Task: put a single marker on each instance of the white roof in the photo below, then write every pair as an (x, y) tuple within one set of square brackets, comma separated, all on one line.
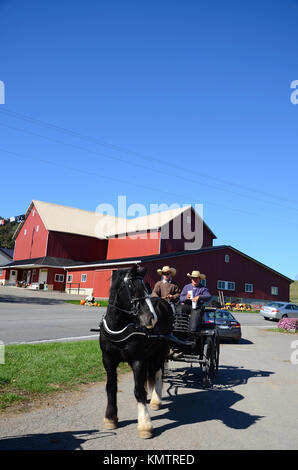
[(72, 220)]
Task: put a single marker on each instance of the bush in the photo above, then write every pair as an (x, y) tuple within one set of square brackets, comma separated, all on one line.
[(288, 324)]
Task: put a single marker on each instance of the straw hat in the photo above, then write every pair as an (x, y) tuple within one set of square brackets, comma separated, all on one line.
[(196, 274), (167, 269)]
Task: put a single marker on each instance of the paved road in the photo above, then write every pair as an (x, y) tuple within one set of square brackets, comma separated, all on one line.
[(31, 316), (252, 406)]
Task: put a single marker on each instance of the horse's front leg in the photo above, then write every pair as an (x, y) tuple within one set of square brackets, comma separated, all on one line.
[(111, 414), (144, 421)]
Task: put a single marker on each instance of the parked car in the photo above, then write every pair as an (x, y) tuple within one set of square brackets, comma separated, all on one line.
[(228, 326), (278, 310)]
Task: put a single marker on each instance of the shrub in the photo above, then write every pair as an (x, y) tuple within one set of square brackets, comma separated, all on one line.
[(288, 324)]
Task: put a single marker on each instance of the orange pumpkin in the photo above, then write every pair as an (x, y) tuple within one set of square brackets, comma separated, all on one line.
[(83, 302)]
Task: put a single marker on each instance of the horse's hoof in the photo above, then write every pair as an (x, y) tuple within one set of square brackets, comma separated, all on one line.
[(145, 434), (110, 424), (155, 406)]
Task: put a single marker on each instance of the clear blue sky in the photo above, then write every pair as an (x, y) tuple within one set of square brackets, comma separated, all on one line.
[(163, 101)]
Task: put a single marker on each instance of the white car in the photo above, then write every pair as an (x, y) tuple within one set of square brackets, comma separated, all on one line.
[(278, 310)]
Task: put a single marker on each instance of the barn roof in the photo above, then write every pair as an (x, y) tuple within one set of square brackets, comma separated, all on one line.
[(44, 261), (94, 224)]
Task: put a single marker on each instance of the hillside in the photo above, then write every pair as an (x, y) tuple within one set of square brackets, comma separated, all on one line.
[(6, 233), (294, 292)]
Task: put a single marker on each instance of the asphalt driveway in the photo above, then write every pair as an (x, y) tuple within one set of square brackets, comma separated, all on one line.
[(252, 406)]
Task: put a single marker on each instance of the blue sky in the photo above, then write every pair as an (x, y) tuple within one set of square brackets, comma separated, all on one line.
[(161, 101)]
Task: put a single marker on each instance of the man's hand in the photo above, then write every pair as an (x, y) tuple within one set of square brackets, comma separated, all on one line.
[(195, 299)]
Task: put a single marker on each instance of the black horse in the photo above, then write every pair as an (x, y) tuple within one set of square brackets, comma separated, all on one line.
[(131, 332)]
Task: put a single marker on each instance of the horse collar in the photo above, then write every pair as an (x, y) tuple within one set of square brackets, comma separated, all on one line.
[(121, 335)]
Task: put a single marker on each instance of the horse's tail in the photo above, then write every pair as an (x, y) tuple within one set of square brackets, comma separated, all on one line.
[(155, 370)]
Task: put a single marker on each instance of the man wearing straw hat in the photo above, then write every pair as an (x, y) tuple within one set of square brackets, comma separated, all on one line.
[(166, 288), (192, 297)]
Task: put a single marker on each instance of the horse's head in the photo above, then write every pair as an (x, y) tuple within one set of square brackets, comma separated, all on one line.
[(133, 296)]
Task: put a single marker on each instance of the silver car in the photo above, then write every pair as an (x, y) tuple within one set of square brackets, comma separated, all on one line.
[(277, 310)]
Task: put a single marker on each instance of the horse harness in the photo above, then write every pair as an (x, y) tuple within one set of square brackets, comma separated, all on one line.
[(132, 329)]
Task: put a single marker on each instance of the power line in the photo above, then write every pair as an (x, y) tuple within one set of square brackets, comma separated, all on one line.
[(119, 159), (138, 154), (148, 188)]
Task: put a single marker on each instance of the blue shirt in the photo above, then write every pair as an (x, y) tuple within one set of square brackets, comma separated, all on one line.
[(200, 290)]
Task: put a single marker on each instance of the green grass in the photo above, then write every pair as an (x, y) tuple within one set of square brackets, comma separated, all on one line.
[(103, 303), (294, 292), (281, 330), (245, 311), (35, 370)]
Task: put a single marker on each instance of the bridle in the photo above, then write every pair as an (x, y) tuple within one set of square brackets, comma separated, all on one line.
[(128, 282), (131, 329)]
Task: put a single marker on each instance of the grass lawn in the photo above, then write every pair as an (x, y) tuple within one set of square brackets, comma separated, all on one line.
[(281, 330), (294, 292), (103, 303), (34, 370)]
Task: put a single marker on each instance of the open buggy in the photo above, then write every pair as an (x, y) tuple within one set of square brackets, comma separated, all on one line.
[(201, 347)]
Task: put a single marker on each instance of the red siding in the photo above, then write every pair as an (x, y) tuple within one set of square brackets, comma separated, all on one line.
[(5, 274), (102, 282), (60, 286), (33, 244), (170, 244), (76, 247), (76, 278), (183, 227), (239, 270), (144, 244)]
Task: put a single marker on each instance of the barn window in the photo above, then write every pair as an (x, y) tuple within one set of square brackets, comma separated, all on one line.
[(226, 285), (33, 213), (69, 278), (59, 277), (227, 258), (37, 228), (83, 277), (249, 287), (1, 272), (274, 290), (25, 231)]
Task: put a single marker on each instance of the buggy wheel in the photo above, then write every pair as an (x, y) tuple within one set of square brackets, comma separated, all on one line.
[(208, 362), (216, 354)]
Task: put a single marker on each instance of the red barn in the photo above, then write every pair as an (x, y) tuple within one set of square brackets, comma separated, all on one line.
[(74, 250)]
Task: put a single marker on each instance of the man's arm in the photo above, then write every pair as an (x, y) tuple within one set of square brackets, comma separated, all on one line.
[(204, 295), (183, 294), (156, 290)]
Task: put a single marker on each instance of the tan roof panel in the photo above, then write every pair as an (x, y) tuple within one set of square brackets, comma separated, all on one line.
[(93, 224), (71, 220)]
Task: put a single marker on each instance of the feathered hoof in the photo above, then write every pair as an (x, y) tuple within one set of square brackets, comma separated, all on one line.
[(145, 433), (155, 405), (110, 423)]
